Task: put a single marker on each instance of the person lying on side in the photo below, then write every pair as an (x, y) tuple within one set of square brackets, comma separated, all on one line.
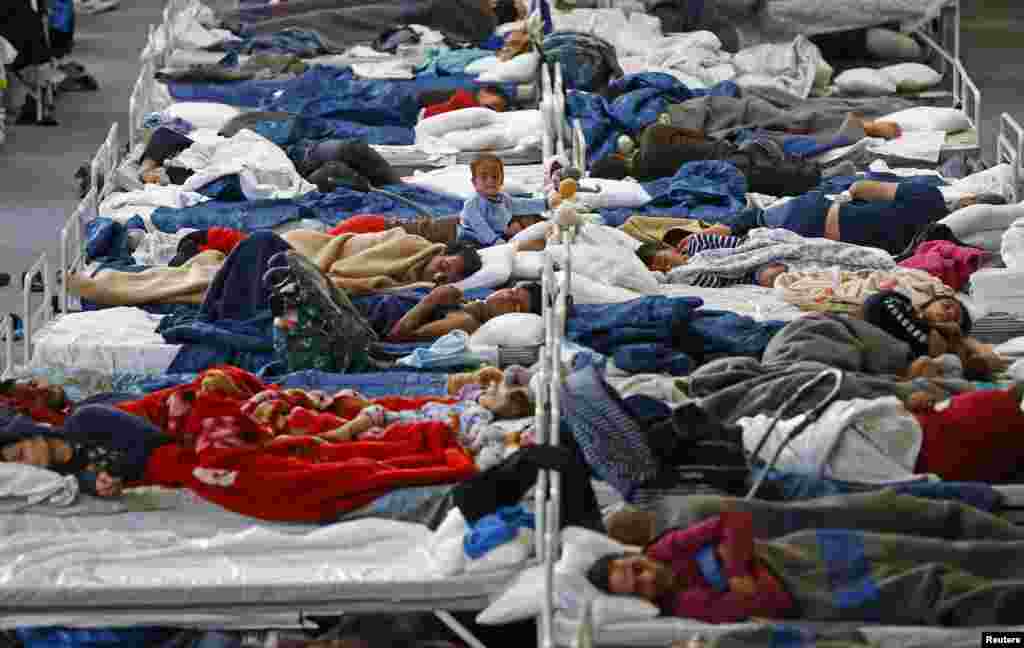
[(885, 215), (665, 257), (444, 310), (102, 447), (493, 97), (716, 571)]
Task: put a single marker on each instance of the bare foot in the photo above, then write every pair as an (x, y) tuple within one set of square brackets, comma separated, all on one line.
[(886, 130)]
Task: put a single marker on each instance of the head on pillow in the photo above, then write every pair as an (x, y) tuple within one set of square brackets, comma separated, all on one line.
[(632, 574), (946, 309), (660, 258), (488, 173), (458, 261), (520, 299), (494, 97), (507, 401)]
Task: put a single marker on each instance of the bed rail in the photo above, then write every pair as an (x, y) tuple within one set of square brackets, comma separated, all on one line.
[(1010, 149), (966, 95), (72, 246), (141, 103), (36, 318), (556, 300), (7, 334)]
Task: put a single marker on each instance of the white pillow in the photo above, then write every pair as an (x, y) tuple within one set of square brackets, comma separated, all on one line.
[(492, 138), (457, 180), (202, 114), (528, 265), (511, 329), (496, 270), (912, 77), (455, 120), (589, 291), (481, 65), (614, 266), (580, 548), (930, 118), (614, 194), (865, 81), (521, 69)]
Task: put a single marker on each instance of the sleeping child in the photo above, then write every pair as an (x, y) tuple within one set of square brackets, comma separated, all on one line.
[(716, 571), (484, 398), (676, 251), (102, 447), (937, 328)]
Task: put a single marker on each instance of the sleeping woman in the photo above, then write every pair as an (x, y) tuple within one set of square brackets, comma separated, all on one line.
[(445, 309)]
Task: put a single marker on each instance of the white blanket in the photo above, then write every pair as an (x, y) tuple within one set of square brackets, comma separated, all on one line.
[(868, 441), (23, 486), (122, 206), (263, 168)]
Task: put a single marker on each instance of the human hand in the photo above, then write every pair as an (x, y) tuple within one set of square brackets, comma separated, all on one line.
[(743, 585), (107, 486), (444, 296), (554, 199)]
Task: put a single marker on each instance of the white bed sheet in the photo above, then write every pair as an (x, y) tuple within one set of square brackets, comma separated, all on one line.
[(662, 631), (122, 339), (378, 562)]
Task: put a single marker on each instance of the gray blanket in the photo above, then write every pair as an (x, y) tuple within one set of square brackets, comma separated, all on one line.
[(731, 388), (719, 117), (879, 512), (344, 23)]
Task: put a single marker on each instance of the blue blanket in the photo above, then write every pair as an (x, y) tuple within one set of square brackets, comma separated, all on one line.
[(708, 190), (372, 385), (292, 131), (640, 99), (331, 209), (330, 93)]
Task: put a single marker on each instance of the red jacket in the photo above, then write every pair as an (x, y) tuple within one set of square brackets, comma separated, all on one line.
[(701, 601)]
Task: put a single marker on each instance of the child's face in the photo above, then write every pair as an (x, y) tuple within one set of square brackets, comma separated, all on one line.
[(667, 260), (943, 311), (34, 452), (489, 180), (498, 398)]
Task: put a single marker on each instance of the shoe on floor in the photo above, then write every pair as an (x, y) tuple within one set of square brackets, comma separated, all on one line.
[(5, 279), (37, 282)]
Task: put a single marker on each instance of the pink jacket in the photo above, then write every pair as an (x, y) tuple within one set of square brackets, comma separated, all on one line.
[(948, 261)]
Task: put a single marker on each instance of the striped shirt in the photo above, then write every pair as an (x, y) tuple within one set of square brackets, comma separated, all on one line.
[(696, 243)]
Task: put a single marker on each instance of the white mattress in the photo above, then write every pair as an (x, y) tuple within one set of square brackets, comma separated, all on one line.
[(122, 339), (663, 631), (154, 573)]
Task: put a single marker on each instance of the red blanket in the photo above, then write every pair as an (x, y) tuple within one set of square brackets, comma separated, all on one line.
[(290, 478), (300, 480)]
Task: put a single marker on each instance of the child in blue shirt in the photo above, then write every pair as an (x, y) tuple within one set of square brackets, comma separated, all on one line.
[(490, 217)]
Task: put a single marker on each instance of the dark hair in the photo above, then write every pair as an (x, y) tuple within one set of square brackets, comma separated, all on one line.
[(472, 263), (536, 297), (501, 92), (647, 252), (599, 573), (505, 11), (611, 167), (966, 322)]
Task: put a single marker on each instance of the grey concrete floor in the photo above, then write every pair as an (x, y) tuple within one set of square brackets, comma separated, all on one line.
[(37, 165)]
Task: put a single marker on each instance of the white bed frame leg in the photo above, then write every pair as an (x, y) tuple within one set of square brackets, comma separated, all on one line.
[(446, 618)]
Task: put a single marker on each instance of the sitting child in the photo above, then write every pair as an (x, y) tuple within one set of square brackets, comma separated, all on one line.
[(675, 252), (487, 217), (102, 447), (716, 571), (938, 327)]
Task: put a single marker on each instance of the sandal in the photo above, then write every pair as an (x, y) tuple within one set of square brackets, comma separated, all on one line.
[(80, 83)]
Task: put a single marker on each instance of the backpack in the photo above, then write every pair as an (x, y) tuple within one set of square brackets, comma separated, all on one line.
[(328, 332)]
